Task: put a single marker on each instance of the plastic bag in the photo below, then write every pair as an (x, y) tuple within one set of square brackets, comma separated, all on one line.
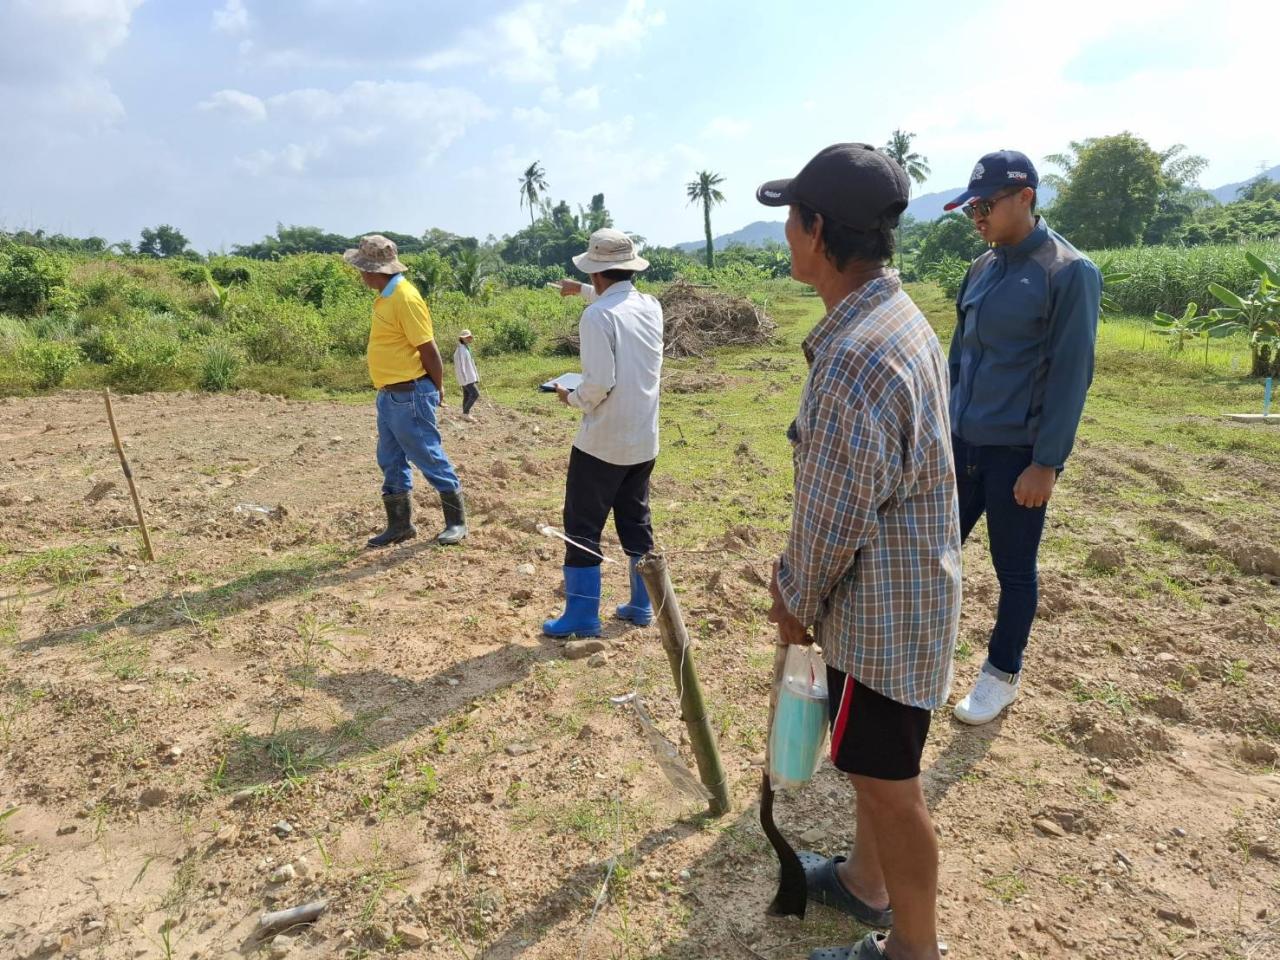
[(664, 751), (799, 719)]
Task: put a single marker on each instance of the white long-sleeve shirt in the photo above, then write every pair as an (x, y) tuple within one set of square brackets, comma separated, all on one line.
[(621, 353), (464, 367)]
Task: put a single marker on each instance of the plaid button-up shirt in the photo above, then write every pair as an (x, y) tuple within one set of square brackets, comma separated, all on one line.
[(873, 558)]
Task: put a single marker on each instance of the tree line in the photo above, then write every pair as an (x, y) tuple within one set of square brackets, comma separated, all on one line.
[(1113, 191)]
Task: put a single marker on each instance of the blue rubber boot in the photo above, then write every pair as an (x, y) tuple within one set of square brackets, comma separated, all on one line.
[(639, 611), (581, 605)]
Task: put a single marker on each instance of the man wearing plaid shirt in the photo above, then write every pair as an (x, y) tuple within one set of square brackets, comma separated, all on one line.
[(872, 563)]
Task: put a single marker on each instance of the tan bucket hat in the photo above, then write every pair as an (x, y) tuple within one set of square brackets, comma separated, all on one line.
[(376, 254), (464, 335), (609, 249)]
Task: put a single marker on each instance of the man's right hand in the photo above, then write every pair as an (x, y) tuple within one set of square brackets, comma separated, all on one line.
[(790, 629), (570, 288)]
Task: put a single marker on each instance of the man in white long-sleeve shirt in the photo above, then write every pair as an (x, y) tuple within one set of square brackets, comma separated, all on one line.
[(464, 368), (617, 443)]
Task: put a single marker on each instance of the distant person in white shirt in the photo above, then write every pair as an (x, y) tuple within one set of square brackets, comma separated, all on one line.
[(464, 368), (617, 443)]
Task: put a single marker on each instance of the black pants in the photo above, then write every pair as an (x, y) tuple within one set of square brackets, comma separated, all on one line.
[(593, 489), (470, 394)]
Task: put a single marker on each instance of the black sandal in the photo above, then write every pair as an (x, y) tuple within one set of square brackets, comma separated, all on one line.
[(824, 887)]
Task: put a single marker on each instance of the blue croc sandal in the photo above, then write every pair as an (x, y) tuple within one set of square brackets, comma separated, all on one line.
[(870, 947), (825, 888)]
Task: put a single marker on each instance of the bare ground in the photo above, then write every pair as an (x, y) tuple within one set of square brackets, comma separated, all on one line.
[(455, 787)]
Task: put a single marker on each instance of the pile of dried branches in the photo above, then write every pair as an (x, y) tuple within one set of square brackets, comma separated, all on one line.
[(697, 320)]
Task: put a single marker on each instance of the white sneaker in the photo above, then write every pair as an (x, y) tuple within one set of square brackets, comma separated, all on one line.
[(987, 700)]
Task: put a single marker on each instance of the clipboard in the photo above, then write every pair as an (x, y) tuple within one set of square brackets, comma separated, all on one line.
[(570, 381)]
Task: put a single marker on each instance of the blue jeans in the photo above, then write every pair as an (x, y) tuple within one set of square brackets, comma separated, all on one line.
[(984, 483), (407, 433)]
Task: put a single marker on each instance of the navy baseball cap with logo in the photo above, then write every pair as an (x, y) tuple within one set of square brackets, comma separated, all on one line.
[(851, 183), (995, 172)]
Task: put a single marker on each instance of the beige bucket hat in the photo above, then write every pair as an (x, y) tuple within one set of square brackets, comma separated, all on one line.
[(610, 249), (464, 335), (376, 254)]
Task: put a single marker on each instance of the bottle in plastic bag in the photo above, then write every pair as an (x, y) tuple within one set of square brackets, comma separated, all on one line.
[(800, 719)]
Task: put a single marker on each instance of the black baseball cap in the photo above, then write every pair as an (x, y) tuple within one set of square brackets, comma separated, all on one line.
[(995, 172), (851, 183)]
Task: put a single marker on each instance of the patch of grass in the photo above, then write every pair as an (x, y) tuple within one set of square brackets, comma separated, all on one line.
[(312, 642), (594, 821), (1236, 673), (1107, 694), (408, 785), (120, 657), (285, 757), (64, 566), (1007, 887)]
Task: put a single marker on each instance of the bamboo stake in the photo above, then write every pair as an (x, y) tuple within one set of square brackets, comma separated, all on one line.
[(675, 641), (128, 475)]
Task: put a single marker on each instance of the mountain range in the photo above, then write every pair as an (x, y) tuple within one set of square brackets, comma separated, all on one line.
[(927, 206)]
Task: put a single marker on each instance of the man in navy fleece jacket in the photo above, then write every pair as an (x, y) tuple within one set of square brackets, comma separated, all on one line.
[(1021, 365)]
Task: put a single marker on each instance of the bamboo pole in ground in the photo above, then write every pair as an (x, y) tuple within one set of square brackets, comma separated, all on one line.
[(675, 641), (128, 475)]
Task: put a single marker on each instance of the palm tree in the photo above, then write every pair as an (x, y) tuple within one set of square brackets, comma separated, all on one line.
[(704, 189), (915, 166), (533, 184)]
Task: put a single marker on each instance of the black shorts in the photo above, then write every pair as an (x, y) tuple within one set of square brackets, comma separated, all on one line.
[(871, 735)]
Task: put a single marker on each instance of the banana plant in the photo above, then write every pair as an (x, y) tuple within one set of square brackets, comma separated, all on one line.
[(222, 293), (1182, 330), (1257, 313)]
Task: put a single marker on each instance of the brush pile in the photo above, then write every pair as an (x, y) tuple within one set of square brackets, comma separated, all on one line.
[(698, 319)]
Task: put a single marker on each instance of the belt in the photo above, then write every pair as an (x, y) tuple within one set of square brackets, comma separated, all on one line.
[(404, 386)]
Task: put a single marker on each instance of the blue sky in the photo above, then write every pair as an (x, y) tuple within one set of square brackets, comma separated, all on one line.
[(224, 117)]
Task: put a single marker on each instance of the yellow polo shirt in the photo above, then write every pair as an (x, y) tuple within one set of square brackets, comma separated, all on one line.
[(401, 324)]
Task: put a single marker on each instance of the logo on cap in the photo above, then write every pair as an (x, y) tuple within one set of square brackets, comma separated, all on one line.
[(772, 194), (1016, 174), (978, 172)]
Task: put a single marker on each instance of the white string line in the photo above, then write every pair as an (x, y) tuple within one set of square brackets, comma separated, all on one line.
[(549, 531)]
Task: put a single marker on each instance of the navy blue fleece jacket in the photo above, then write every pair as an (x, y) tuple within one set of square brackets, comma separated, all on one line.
[(1022, 355)]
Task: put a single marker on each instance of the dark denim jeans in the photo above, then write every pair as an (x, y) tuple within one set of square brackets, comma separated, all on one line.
[(407, 433), (470, 394), (984, 482)]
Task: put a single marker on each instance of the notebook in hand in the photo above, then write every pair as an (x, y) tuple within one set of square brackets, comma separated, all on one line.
[(570, 381)]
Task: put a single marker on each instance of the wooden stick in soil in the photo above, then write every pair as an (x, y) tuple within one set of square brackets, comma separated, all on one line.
[(675, 641), (128, 475)]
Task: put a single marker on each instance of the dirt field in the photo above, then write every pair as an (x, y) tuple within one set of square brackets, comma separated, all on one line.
[(269, 715)]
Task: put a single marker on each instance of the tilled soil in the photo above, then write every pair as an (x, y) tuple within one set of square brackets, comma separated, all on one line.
[(270, 715)]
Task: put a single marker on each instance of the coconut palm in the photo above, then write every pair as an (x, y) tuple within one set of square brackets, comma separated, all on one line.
[(915, 166), (704, 189), (899, 147), (533, 183)]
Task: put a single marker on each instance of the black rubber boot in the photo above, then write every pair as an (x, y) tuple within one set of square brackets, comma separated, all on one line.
[(455, 518), (399, 521)]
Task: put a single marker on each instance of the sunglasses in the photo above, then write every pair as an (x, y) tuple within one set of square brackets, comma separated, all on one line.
[(984, 207)]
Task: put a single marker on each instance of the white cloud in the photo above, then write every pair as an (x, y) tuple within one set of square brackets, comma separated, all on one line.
[(340, 132), (232, 18), (583, 43), (40, 91), (236, 104), (727, 128), (534, 117), (587, 98), (82, 32)]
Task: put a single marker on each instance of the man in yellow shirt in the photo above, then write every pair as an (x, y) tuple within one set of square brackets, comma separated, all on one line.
[(406, 369)]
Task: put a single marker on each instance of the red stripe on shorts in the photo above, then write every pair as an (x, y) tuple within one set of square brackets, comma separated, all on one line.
[(842, 717)]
